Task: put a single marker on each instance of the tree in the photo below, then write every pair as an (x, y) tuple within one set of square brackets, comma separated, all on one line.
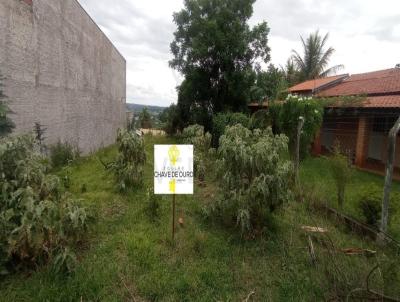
[(286, 117), (171, 119), (216, 51), (290, 72), (128, 165), (269, 84), (6, 124), (315, 59), (145, 119)]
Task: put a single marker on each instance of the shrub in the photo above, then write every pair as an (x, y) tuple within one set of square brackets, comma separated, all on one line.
[(341, 173), (129, 164), (254, 176), (196, 136), (286, 115), (370, 204), (38, 220), (222, 120), (62, 154), (260, 119), (201, 142)]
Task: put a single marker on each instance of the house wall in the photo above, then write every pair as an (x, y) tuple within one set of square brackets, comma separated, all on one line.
[(397, 151), (61, 71), (340, 129), (357, 138)]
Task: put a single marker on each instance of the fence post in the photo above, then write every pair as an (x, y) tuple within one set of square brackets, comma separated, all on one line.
[(297, 156), (389, 175)]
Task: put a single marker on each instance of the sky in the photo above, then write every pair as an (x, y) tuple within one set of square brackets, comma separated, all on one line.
[(364, 33)]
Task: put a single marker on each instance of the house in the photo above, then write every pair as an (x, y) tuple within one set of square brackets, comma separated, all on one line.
[(369, 106), (60, 70), (312, 87)]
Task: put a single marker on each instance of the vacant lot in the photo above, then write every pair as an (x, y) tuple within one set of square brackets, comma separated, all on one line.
[(316, 176), (129, 257)]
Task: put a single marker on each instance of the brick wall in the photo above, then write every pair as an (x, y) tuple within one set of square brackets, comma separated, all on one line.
[(62, 72), (363, 130)]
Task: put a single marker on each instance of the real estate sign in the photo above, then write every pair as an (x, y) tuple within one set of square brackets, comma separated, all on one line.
[(173, 169)]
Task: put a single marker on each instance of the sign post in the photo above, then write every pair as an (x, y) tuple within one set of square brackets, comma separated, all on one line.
[(173, 217), (173, 172)]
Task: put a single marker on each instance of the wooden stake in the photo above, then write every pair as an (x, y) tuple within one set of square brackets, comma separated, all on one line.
[(173, 217), (389, 175)]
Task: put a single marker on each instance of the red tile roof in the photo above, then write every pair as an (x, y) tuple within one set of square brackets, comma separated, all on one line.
[(370, 83), (311, 85), (385, 101)]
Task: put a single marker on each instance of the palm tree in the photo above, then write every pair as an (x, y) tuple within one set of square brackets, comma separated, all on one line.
[(290, 72), (313, 64)]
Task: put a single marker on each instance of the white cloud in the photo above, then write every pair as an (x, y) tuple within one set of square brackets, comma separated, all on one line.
[(365, 34)]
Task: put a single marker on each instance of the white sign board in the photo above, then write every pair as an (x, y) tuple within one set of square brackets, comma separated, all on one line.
[(173, 169)]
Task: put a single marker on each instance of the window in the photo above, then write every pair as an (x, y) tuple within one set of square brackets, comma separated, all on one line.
[(383, 123)]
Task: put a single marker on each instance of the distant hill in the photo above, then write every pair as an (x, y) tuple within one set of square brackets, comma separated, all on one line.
[(154, 110)]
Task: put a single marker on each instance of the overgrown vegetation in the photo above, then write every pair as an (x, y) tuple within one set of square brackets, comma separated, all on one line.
[(341, 172), (254, 176), (370, 205), (261, 119), (201, 142), (207, 262), (222, 120), (6, 124), (286, 115), (62, 153), (39, 221), (39, 132), (128, 166)]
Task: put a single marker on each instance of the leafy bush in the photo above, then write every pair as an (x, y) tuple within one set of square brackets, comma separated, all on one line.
[(286, 115), (201, 142), (129, 165), (341, 173), (254, 176), (62, 154), (260, 119), (370, 204), (223, 120), (196, 136), (38, 221)]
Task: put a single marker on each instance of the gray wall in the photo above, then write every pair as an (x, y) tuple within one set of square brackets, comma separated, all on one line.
[(62, 71)]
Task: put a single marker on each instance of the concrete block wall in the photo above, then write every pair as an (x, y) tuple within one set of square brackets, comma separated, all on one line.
[(61, 71)]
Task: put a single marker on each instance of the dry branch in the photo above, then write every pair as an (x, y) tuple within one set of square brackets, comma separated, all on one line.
[(312, 251), (249, 296), (312, 229)]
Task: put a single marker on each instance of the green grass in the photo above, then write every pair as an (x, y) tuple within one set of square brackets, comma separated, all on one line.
[(316, 176), (127, 255)]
